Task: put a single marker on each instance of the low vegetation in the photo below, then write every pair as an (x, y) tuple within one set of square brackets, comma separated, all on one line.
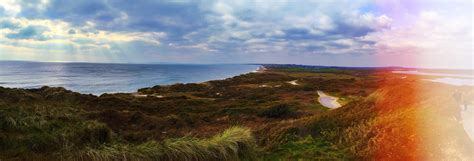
[(278, 111), (61, 135), (233, 144), (255, 116)]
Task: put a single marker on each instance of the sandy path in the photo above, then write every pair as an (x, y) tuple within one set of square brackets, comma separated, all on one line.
[(468, 121), (328, 101), (293, 82)]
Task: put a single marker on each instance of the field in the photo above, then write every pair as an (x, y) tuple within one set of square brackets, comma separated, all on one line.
[(255, 116)]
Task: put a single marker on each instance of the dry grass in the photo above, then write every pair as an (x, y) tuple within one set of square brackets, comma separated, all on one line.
[(396, 122), (235, 143)]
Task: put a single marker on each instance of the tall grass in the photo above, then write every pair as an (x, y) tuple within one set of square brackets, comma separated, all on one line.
[(235, 143), (305, 148), (43, 131)]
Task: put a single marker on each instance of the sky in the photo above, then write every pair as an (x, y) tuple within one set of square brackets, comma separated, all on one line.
[(410, 33)]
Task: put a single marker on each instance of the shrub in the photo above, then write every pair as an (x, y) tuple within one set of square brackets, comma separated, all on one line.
[(95, 132), (278, 111)]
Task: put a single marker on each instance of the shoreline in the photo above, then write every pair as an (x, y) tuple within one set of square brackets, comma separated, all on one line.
[(468, 121), (128, 81), (203, 110), (444, 78)]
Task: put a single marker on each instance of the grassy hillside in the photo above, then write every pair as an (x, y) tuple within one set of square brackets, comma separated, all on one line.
[(45, 131), (255, 116)]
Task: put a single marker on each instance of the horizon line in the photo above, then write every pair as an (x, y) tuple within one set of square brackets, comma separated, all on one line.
[(176, 63)]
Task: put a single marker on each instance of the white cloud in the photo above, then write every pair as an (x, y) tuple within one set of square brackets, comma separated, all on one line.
[(433, 37), (59, 40), (11, 7), (298, 28)]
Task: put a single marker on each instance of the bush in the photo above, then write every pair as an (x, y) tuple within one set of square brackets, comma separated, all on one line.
[(278, 111), (95, 133)]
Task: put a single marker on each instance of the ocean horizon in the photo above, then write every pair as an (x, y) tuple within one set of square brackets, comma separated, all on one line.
[(100, 78)]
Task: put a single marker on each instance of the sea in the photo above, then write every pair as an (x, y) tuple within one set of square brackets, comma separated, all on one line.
[(100, 78), (466, 78)]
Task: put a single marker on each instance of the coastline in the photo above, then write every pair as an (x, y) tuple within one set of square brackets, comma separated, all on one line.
[(98, 79), (207, 110), (467, 117)]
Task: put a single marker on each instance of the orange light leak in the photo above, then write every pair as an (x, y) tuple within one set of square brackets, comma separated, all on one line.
[(418, 119)]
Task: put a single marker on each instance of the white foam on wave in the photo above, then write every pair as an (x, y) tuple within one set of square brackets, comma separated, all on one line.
[(454, 81), (415, 72), (446, 78)]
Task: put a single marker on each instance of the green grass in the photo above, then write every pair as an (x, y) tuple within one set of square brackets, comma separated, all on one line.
[(235, 143), (306, 148), (44, 131), (287, 121), (55, 133)]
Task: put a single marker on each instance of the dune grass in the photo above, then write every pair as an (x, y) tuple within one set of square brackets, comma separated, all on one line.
[(305, 148), (379, 122), (59, 133), (235, 143), (389, 124)]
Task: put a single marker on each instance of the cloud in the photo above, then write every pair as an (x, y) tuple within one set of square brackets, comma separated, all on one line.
[(2, 11), (180, 17), (72, 32), (6, 24), (9, 7), (293, 22), (223, 23), (245, 30), (434, 40), (59, 38), (29, 32), (244, 20), (80, 12)]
